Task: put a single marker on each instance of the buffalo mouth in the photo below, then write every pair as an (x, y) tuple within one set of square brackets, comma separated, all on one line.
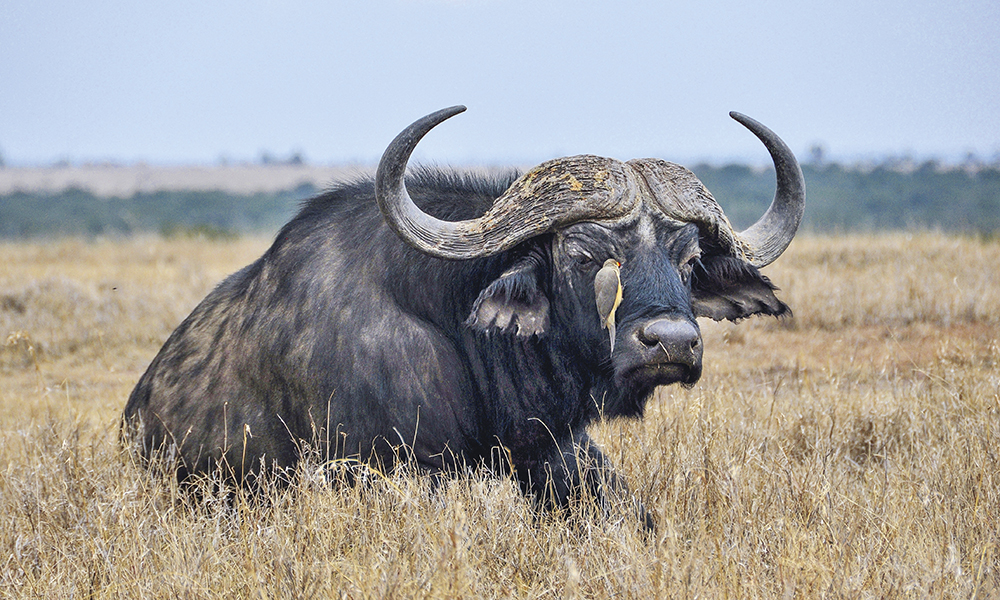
[(638, 383), (667, 373), (663, 373)]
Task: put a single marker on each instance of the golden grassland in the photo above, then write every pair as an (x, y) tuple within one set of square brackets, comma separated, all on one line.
[(851, 451)]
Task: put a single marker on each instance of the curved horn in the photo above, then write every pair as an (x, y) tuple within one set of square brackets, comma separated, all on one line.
[(555, 193), (770, 235), (404, 217)]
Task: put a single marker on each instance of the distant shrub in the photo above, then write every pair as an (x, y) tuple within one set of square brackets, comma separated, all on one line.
[(205, 231)]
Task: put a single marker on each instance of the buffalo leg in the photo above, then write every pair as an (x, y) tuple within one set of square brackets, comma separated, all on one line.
[(570, 468)]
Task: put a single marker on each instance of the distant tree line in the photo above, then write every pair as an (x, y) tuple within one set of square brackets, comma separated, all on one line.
[(882, 197), (840, 199), (211, 213)]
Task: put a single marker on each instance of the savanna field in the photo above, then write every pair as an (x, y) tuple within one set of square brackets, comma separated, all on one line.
[(850, 451)]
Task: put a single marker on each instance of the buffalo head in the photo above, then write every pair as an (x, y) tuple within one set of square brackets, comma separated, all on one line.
[(680, 257)]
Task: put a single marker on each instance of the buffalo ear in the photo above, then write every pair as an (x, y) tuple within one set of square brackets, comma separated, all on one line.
[(515, 300), (723, 287)]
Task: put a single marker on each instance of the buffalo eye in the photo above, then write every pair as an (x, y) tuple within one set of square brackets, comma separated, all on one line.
[(686, 268), (581, 258), (689, 256)]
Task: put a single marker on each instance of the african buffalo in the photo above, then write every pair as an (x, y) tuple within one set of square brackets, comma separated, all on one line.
[(450, 318)]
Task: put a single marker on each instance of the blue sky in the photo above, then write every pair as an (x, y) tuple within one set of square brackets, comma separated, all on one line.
[(190, 82)]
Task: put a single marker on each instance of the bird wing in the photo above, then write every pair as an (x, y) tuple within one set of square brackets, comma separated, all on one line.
[(606, 286)]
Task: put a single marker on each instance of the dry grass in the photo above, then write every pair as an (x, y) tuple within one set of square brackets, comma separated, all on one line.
[(849, 452)]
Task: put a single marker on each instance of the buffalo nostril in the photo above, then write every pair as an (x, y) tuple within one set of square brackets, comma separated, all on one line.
[(679, 340), (669, 330)]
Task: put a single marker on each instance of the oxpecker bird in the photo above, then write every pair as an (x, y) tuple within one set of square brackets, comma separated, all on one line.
[(608, 292)]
